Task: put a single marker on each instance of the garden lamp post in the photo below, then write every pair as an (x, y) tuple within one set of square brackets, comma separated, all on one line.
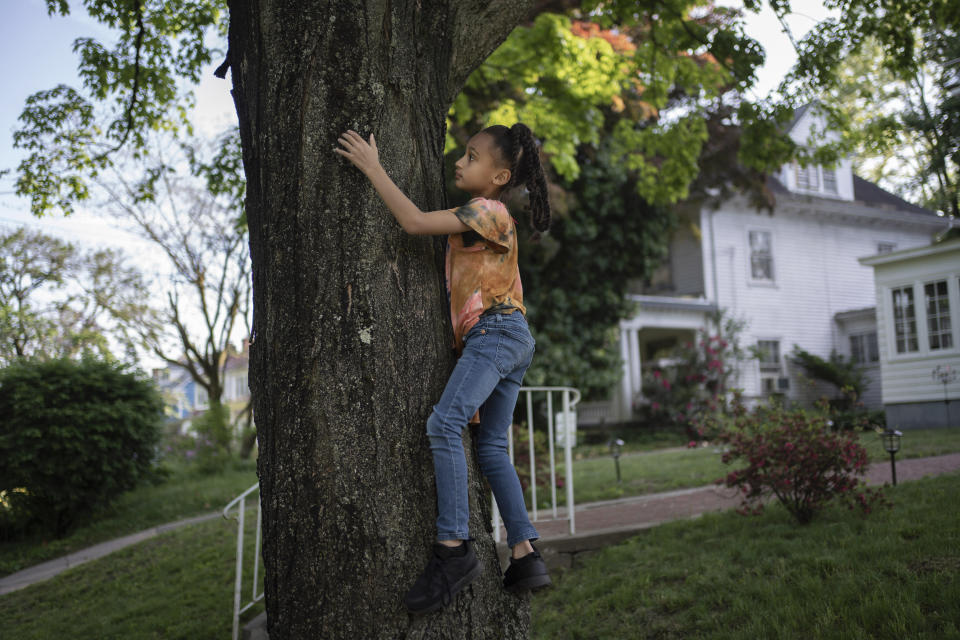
[(615, 445), (891, 442), (945, 374)]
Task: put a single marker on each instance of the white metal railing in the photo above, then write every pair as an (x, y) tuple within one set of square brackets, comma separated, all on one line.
[(241, 501), (569, 426)]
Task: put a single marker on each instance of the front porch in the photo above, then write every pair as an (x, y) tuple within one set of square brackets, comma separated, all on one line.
[(658, 324)]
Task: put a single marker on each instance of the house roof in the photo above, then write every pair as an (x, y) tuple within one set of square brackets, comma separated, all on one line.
[(799, 113), (864, 192), (870, 193), (854, 313)]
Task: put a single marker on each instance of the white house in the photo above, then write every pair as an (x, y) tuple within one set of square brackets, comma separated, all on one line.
[(918, 333), (186, 399), (794, 277)]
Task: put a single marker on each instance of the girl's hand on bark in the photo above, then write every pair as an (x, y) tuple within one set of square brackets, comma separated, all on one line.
[(362, 154)]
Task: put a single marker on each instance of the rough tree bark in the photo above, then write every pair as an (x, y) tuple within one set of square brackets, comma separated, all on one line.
[(351, 334)]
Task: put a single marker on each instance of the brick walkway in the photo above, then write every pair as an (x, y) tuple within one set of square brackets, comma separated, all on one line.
[(602, 523)]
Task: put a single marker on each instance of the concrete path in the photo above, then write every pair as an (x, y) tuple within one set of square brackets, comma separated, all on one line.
[(598, 524)]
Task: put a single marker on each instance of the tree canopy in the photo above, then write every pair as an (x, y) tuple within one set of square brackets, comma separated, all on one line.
[(888, 75), (658, 52), (645, 98)]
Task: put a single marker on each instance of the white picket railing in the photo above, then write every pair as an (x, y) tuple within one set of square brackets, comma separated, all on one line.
[(237, 587), (569, 425), (569, 429)]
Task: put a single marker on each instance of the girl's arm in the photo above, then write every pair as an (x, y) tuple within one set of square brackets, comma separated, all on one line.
[(365, 157)]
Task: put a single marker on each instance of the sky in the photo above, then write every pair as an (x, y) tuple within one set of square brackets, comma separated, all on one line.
[(39, 56)]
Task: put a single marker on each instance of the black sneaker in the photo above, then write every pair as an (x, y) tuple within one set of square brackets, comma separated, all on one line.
[(526, 573), (445, 575)]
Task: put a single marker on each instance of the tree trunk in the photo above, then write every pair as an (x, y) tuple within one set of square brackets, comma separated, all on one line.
[(351, 343)]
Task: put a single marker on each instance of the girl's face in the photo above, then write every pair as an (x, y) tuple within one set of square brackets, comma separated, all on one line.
[(478, 171)]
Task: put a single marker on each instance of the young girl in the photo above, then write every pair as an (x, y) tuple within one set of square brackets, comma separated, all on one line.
[(492, 339)]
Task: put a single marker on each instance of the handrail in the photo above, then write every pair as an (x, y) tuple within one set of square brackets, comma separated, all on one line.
[(568, 407), (237, 610)]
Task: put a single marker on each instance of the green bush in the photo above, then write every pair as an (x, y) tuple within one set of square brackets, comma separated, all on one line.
[(73, 436), (858, 420), (213, 439)]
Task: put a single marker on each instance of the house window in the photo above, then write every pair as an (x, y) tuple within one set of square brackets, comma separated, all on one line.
[(830, 180), (761, 256), (904, 320), (769, 355), (807, 177), (863, 348), (202, 398), (240, 386), (938, 314), (885, 247)]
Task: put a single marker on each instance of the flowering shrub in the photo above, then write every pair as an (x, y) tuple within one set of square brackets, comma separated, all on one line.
[(796, 458), (694, 386)]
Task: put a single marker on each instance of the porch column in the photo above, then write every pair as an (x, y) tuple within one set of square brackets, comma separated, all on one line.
[(624, 407), (634, 363)]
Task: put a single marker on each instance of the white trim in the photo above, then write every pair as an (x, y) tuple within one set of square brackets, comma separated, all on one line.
[(951, 301), (912, 252)]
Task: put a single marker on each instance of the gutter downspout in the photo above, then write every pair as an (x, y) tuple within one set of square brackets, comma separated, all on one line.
[(713, 261)]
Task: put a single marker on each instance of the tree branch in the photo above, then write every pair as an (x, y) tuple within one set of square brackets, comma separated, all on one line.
[(470, 45), (138, 47)]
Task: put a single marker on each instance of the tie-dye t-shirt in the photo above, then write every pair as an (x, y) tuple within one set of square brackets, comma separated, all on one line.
[(481, 266)]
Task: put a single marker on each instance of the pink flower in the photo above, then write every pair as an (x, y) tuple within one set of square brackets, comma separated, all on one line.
[(656, 373), (666, 384), (655, 405), (691, 444)]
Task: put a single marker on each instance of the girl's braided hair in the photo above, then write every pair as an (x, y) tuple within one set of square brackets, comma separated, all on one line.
[(520, 152)]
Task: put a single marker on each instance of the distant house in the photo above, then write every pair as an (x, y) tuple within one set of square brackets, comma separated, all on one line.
[(918, 332), (186, 399), (794, 277)]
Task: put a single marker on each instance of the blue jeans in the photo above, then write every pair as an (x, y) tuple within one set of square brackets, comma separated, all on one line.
[(497, 351)]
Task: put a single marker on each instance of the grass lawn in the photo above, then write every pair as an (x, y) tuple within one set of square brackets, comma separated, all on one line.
[(646, 472), (182, 496), (893, 574), (596, 478), (916, 443), (634, 440), (176, 585)]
